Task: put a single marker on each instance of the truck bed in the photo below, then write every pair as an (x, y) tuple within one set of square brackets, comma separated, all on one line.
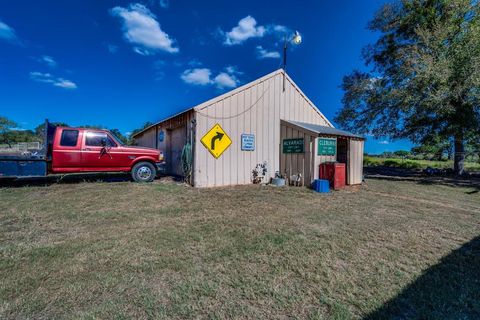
[(17, 166), (27, 161)]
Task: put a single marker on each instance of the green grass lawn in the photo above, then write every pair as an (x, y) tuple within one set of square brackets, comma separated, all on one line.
[(416, 164), (162, 250)]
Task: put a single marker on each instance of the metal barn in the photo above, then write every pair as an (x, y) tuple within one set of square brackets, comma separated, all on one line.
[(268, 121)]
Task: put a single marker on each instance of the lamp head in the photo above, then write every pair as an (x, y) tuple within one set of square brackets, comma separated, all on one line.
[(297, 38)]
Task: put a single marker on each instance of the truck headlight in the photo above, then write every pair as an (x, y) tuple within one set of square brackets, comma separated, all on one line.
[(161, 158)]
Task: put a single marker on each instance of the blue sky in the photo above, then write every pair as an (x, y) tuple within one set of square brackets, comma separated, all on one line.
[(119, 64)]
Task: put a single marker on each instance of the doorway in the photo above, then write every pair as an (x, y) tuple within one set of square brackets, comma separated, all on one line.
[(178, 139)]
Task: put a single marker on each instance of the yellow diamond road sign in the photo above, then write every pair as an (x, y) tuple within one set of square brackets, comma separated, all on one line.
[(216, 141)]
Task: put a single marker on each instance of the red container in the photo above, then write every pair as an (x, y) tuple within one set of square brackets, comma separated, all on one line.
[(335, 173)]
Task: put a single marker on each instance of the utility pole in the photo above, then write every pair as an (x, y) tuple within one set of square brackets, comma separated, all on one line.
[(296, 39), (284, 61)]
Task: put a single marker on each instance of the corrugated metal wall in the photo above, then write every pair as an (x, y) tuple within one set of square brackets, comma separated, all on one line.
[(295, 163), (355, 166), (147, 139), (252, 109), (307, 163), (176, 128), (321, 159)]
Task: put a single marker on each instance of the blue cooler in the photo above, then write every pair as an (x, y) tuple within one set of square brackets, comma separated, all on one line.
[(320, 185)]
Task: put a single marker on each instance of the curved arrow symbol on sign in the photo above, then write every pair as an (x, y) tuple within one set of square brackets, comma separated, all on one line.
[(218, 137)]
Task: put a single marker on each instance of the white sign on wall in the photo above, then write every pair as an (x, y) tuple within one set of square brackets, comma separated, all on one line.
[(248, 142)]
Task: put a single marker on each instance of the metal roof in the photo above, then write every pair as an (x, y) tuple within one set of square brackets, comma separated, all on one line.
[(159, 122), (323, 130)]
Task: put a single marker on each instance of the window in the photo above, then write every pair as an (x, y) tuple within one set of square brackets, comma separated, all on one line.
[(99, 139), (69, 138)]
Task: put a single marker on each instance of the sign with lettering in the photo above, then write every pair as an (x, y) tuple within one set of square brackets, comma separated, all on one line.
[(293, 146), (248, 142), (327, 147)]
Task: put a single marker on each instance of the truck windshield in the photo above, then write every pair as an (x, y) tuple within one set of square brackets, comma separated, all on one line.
[(117, 140)]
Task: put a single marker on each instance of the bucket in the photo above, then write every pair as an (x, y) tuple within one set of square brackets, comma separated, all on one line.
[(320, 185), (278, 182)]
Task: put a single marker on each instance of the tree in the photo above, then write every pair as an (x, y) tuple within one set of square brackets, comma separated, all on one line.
[(145, 125), (6, 130), (39, 129), (424, 77), (401, 153), (9, 133), (435, 148), (119, 135)]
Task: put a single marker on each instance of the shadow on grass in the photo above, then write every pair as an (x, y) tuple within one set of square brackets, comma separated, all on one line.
[(447, 290), (72, 179), (64, 179), (399, 174)]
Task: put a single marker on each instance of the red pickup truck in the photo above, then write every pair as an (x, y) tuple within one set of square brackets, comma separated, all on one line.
[(80, 150)]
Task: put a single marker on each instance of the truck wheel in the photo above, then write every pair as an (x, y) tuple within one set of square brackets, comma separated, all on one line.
[(143, 172)]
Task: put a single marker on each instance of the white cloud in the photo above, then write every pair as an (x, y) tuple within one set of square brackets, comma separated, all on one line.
[(49, 78), (247, 28), (112, 48), (8, 33), (384, 142), (164, 3), (280, 29), (64, 83), (143, 51), (203, 77), (233, 70), (225, 80), (158, 66), (141, 28), (197, 76), (194, 63), (265, 54), (49, 61)]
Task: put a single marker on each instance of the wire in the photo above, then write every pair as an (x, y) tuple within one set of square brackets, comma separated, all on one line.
[(243, 112), (249, 108)]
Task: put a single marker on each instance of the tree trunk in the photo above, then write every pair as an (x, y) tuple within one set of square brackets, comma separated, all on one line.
[(450, 152), (459, 149)]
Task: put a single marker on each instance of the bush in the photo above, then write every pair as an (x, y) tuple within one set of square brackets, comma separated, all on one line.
[(391, 163), (411, 165)]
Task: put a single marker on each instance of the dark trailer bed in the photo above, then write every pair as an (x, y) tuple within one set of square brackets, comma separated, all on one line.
[(26, 164), (14, 167)]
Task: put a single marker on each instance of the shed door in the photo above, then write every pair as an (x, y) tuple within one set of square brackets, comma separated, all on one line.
[(178, 138), (355, 165)]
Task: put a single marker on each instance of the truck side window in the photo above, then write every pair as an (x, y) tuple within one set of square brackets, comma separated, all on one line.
[(94, 139), (69, 138)]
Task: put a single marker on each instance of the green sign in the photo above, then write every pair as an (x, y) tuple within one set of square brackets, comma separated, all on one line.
[(293, 146), (327, 147)]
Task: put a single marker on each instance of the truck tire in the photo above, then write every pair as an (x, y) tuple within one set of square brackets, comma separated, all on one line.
[(144, 172)]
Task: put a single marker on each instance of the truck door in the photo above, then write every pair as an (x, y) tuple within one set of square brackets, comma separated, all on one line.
[(98, 152), (66, 154)]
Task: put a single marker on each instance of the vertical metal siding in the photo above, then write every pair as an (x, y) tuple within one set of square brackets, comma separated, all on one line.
[(237, 114), (147, 139), (179, 127), (355, 167), (292, 164), (320, 159)]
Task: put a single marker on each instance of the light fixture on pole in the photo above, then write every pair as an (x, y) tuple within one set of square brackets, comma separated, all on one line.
[(296, 39)]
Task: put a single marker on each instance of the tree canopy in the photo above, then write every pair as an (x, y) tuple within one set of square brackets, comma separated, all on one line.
[(9, 133), (423, 81)]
